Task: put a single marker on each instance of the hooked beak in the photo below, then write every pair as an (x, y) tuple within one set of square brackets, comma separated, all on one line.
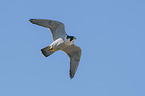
[(74, 38)]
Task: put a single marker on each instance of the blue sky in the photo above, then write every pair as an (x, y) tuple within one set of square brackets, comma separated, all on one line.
[(111, 34)]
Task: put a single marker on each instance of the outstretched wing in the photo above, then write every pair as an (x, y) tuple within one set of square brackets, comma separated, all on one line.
[(74, 53), (57, 28)]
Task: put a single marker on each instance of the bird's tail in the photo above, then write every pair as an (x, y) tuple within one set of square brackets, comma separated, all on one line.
[(46, 51)]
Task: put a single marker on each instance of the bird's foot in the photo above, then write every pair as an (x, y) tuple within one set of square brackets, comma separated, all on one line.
[(51, 47)]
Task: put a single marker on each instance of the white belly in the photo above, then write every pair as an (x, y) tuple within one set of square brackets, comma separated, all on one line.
[(57, 43), (60, 43)]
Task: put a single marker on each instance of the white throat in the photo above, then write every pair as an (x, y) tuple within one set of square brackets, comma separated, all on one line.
[(67, 41)]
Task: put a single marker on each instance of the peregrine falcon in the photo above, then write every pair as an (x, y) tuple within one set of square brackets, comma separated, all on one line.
[(62, 41)]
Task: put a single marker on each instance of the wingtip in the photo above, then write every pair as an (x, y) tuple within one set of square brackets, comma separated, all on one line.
[(71, 75), (71, 78), (31, 20)]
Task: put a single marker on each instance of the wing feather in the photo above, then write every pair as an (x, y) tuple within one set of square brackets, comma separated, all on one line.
[(57, 28), (74, 52)]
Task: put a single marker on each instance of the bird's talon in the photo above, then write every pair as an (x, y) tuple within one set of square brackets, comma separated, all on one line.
[(50, 47)]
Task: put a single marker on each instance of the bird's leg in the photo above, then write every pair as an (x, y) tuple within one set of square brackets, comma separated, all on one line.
[(51, 47)]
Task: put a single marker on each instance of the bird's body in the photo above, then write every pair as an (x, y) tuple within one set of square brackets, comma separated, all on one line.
[(62, 41), (58, 44)]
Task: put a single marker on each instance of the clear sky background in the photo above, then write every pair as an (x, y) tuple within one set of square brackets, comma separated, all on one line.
[(111, 34)]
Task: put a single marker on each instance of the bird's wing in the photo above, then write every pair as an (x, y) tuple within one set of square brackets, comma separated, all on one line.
[(74, 52), (57, 28)]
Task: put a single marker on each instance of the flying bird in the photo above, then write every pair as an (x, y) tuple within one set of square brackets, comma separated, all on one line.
[(62, 41)]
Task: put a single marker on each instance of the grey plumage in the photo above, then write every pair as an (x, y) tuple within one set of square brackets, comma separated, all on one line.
[(46, 51), (61, 42), (74, 54), (57, 28)]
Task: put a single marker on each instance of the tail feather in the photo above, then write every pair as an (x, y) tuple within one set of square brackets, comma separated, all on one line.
[(46, 51)]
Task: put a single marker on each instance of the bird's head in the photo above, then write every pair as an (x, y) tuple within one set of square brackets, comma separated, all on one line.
[(71, 38)]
